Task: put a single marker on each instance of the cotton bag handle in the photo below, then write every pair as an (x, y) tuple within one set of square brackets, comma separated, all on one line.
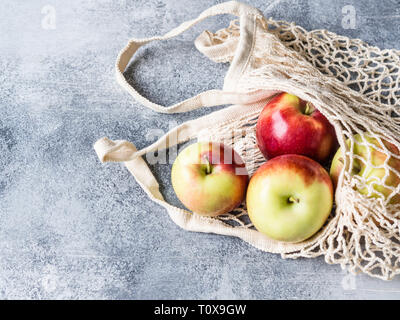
[(124, 151), (248, 16)]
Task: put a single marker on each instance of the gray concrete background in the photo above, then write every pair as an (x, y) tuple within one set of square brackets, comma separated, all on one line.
[(73, 228)]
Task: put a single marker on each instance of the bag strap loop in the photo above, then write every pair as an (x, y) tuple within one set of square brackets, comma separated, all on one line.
[(248, 16)]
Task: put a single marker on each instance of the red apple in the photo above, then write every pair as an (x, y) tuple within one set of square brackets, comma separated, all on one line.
[(209, 178), (290, 125), (289, 198)]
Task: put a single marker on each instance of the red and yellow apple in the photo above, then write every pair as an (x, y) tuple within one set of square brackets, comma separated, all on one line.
[(289, 198), (290, 125), (373, 174), (209, 178)]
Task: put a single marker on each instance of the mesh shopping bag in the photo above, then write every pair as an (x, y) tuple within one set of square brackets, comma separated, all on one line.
[(355, 86)]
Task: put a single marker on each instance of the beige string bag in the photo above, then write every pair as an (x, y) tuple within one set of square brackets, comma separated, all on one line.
[(354, 85)]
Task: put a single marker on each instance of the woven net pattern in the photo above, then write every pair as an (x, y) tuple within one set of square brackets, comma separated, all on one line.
[(356, 86)]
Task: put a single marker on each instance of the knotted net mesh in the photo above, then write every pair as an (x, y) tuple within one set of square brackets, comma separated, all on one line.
[(356, 86)]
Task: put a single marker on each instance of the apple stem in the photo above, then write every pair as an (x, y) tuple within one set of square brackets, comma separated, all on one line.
[(293, 200), (208, 165), (356, 167), (309, 109)]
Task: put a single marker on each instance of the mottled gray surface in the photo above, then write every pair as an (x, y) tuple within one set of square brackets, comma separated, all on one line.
[(73, 228)]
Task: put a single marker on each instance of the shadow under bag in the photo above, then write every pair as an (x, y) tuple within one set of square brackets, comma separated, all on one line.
[(355, 86)]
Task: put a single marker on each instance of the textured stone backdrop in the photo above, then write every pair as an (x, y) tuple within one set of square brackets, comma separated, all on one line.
[(73, 228)]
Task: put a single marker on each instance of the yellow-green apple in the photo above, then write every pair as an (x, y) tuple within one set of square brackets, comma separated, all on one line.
[(209, 178), (290, 125), (289, 198), (373, 173)]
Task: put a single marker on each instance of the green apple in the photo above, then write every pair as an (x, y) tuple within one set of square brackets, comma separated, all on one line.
[(372, 173), (209, 178), (289, 198)]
